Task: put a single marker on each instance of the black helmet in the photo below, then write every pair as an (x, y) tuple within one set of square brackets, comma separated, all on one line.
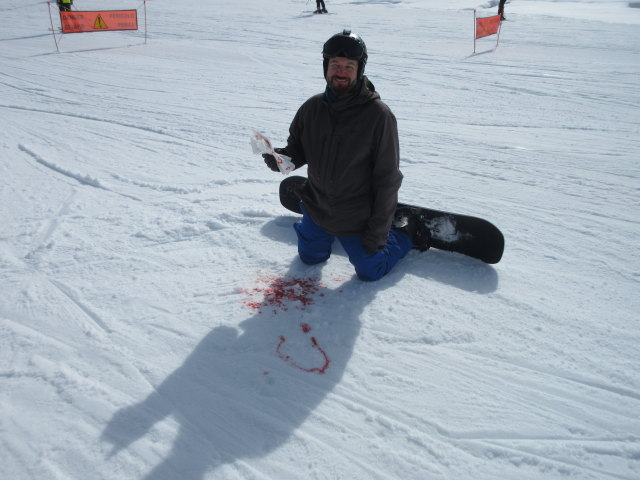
[(348, 45)]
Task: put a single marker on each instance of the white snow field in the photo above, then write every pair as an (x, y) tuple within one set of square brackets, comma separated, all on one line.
[(156, 323)]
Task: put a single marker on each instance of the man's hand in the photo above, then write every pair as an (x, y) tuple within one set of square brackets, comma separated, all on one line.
[(370, 244), (271, 161)]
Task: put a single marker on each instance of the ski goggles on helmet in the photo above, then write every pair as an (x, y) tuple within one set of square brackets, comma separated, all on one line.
[(343, 46)]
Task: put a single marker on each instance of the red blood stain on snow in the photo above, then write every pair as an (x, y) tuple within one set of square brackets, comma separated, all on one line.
[(280, 293), (314, 344)]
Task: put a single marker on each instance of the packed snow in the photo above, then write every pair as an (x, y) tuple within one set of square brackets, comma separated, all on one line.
[(156, 322)]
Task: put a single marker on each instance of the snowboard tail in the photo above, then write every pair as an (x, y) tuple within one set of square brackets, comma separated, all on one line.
[(471, 236)]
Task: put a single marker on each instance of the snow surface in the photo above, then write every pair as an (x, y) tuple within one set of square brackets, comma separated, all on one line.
[(156, 323)]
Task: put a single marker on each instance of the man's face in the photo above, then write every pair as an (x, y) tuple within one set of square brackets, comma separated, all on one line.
[(341, 75)]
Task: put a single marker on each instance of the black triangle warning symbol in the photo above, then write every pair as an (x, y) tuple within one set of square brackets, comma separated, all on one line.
[(99, 23)]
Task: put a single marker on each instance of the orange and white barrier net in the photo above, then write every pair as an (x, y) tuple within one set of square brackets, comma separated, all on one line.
[(99, 21), (485, 26)]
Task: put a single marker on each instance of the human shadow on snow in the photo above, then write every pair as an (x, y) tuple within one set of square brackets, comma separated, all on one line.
[(449, 268), (243, 393)]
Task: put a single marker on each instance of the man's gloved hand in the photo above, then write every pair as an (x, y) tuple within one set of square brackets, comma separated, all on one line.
[(271, 161), (371, 244)]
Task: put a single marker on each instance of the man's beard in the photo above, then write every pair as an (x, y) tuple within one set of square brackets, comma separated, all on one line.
[(341, 89)]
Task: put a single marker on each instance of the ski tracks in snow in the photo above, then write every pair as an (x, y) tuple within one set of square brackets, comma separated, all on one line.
[(83, 179)]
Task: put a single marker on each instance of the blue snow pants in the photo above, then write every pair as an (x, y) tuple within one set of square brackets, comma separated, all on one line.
[(314, 246)]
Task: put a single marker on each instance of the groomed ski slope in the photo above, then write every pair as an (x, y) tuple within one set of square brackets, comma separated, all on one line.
[(155, 322)]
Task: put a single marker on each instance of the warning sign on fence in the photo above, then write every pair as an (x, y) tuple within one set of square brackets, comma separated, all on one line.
[(101, 21)]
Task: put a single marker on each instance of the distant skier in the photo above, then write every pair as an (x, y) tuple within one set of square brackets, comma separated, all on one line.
[(501, 9), (65, 5), (320, 8)]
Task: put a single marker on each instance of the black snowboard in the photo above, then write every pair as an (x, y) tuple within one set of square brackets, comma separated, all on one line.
[(464, 234)]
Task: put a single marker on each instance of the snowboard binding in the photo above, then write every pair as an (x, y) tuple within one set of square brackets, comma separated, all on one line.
[(412, 225)]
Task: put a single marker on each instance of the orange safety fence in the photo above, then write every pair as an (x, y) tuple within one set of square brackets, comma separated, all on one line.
[(98, 21), (487, 26)]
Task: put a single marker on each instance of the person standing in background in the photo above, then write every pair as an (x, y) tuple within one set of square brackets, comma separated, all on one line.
[(501, 9), (65, 5), (320, 8)]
